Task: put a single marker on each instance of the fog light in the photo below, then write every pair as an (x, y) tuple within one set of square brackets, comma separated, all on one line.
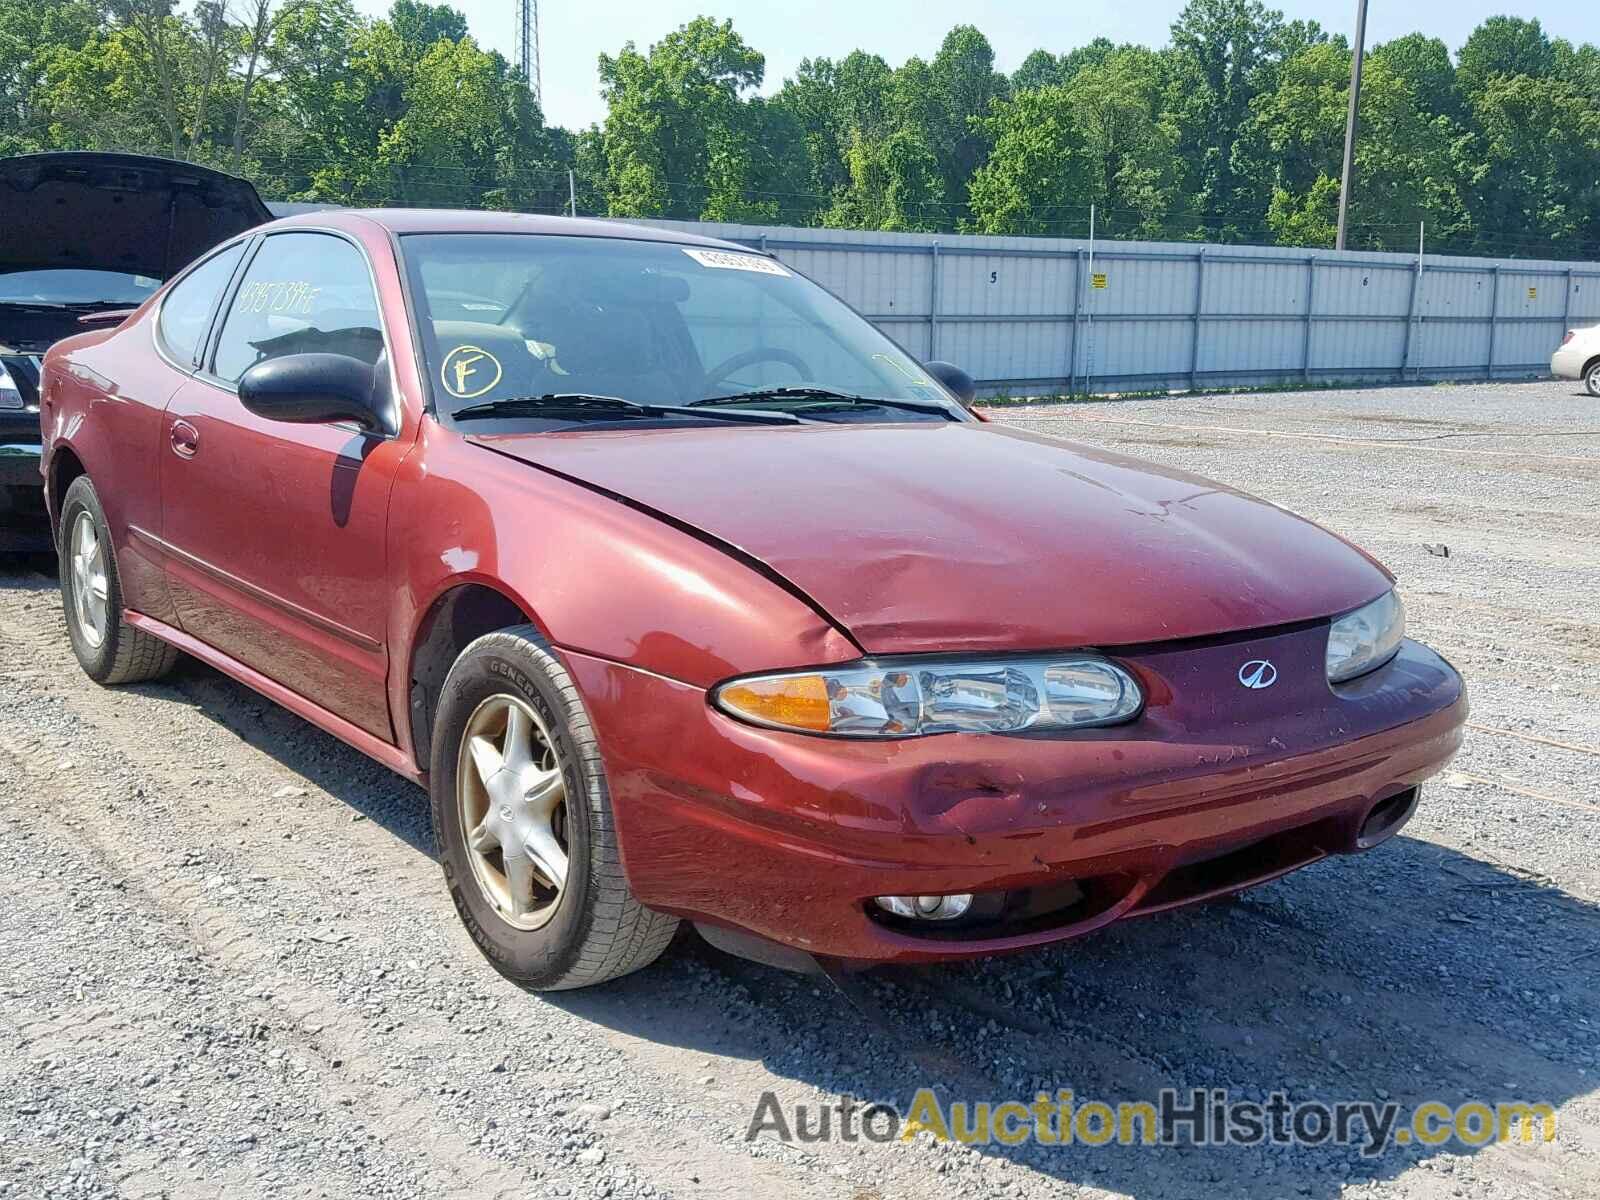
[(927, 908)]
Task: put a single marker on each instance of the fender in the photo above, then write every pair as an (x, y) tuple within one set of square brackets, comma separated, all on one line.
[(610, 581)]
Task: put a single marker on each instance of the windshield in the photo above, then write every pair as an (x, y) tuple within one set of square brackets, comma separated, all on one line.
[(75, 286), (516, 315)]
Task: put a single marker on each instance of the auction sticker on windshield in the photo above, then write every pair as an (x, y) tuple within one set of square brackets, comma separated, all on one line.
[(727, 260)]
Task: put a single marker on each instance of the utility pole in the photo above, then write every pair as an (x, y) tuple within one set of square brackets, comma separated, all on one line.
[(1350, 121), (528, 46), (1088, 368)]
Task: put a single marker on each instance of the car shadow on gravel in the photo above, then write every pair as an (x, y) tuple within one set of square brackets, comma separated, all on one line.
[(370, 790), (1416, 974)]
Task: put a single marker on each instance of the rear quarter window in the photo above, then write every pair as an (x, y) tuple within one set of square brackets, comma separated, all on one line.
[(186, 311)]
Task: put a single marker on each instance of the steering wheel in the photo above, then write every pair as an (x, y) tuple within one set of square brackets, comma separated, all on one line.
[(749, 358)]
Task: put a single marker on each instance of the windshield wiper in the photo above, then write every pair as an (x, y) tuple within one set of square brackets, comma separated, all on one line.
[(827, 394), (611, 406), (68, 305)]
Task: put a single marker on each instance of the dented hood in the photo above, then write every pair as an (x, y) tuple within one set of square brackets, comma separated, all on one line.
[(929, 536), (117, 212)]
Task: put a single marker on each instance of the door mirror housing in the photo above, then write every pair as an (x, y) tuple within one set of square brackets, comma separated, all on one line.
[(313, 389), (960, 384)]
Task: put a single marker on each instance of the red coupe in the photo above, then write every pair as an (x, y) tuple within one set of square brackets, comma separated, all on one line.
[(688, 595)]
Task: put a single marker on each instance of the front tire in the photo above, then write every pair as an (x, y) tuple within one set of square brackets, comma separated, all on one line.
[(109, 649), (1591, 381), (522, 817)]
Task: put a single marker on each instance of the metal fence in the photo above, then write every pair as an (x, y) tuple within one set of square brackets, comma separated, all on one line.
[(1035, 315)]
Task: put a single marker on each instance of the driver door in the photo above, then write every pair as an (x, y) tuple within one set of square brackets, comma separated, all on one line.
[(275, 532)]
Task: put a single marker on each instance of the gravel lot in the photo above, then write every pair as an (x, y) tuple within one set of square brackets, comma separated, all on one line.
[(230, 968)]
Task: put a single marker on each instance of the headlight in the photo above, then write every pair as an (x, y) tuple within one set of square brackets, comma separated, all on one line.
[(912, 697), (1364, 640), (10, 395)]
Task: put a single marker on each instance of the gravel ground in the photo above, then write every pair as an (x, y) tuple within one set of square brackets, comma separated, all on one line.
[(229, 967)]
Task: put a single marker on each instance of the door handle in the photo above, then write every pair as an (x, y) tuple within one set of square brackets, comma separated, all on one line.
[(185, 439)]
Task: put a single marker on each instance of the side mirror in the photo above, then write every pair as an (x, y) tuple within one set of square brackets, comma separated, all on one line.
[(955, 379), (311, 389)]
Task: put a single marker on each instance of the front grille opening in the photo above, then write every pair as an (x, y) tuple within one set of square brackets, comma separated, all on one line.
[(1019, 912), (1255, 863)]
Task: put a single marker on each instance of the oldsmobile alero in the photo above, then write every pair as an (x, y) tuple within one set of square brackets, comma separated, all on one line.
[(689, 595)]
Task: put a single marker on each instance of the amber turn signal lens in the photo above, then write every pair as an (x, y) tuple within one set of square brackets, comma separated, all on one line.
[(794, 701)]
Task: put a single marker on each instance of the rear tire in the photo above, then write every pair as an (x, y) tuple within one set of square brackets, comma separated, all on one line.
[(1591, 379), (509, 689), (109, 649)]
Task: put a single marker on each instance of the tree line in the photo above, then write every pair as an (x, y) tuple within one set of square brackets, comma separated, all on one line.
[(1232, 132)]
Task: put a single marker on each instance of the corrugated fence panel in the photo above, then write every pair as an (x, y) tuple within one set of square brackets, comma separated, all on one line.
[(1127, 348), (1027, 350), (1000, 284), (1036, 314), (1585, 301)]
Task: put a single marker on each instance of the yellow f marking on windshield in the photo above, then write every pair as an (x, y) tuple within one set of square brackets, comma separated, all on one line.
[(469, 371)]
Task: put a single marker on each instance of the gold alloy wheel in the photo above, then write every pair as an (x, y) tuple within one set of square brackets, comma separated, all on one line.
[(511, 801), (90, 591)]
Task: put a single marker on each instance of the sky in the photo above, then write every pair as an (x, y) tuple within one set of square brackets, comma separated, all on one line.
[(573, 35)]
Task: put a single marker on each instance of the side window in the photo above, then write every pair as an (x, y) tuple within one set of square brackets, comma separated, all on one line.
[(303, 293), (186, 312)]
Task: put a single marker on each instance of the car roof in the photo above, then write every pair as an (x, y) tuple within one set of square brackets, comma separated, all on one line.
[(452, 220)]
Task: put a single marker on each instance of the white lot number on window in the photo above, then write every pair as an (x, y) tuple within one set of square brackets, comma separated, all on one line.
[(727, 260)]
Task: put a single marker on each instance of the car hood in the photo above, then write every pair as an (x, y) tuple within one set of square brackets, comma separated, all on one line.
[(30, 330), (118, 212), (970, 537)]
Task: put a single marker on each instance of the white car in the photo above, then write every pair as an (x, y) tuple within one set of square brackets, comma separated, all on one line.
[(1578, 357)]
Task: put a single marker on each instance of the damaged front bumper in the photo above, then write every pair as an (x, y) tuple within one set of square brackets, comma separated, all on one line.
[(1214, 788)]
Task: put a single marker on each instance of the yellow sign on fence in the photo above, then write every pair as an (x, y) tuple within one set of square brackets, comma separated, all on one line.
[(1533, 293), (1097, 280)]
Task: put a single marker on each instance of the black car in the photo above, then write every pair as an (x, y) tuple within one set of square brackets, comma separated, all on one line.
[(83, 236)]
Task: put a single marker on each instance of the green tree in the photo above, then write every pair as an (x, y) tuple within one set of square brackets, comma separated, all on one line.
[(151, 77), (1039, 69), (671, 110), (1533, 164), (33, 34), (421, 25), (805, 122), (1405, 167), (895, 183), (1225, 53), (1577, 65), (1091, 54), (1503, 46), (1116, 104), (1423, 63), (1040, 176), (961, 85), (590, 171)]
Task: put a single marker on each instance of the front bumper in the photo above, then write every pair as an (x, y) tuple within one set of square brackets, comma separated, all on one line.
[(1213, 789)]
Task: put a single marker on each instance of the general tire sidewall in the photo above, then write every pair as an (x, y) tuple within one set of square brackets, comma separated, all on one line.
[(97, 661), (538, 957)]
